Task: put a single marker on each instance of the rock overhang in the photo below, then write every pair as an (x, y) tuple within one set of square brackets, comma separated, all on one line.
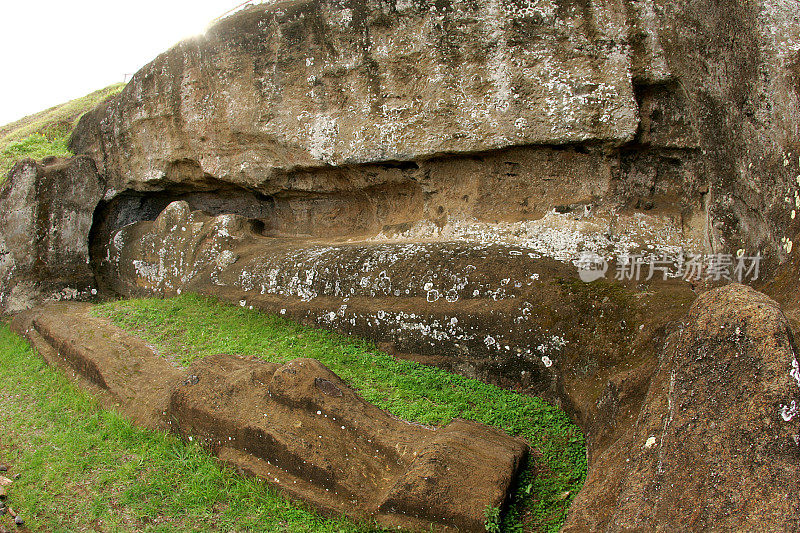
[(312, 84)]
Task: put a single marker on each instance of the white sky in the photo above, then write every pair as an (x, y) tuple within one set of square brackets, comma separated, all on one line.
[(54, 51)]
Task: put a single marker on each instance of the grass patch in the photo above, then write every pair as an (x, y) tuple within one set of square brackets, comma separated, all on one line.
[(84, 468), (46, 133), (36, 146), (191, 326)]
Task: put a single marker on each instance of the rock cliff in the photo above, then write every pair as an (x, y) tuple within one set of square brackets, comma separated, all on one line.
[(679, 111), (427, 173)]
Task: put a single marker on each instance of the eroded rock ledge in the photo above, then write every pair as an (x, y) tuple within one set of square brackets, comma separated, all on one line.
[(297, 426), (501, 313)]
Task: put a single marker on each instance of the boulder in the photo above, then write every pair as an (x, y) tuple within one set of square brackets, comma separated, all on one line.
[(716, 444), (46, 215)]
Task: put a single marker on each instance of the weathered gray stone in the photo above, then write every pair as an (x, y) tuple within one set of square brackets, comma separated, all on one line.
[(315, 83), (46, 214), (716, 445), (502, 313), (693, 106), (739, 69)]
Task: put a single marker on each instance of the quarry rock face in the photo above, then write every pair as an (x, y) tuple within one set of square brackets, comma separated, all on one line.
[(296, 425), (427, 175), (318, 83), (715, 445), (371, 116), (416, 121), (498, 312), (46, 214)]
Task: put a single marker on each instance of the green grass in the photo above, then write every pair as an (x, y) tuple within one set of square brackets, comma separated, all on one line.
[(84, 468), (46, 133), (35, 146), (191, 326)]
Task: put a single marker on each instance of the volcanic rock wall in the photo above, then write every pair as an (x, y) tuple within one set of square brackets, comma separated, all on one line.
[(46, 214), (674, 105), (411, 121), (426, 173), (318, 83), (716, 445)]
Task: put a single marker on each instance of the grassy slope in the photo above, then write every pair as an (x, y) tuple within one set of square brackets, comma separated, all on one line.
[(190, 326), (87, 469), (47, 132)]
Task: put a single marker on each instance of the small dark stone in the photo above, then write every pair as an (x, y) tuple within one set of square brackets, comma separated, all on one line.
[(3, 468), (192, 380), (18, 520), (16, 476), (327, 387)]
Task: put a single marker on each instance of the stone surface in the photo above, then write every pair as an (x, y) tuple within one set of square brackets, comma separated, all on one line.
[(316, 83), (425, 174), (415, 121), (297, 426), (119, 367), (46, 214), (273, 95), (501, 313), (738, 67), (716, 445)]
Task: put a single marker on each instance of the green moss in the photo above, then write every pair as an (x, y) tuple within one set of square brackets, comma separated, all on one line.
[(192, 326)]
